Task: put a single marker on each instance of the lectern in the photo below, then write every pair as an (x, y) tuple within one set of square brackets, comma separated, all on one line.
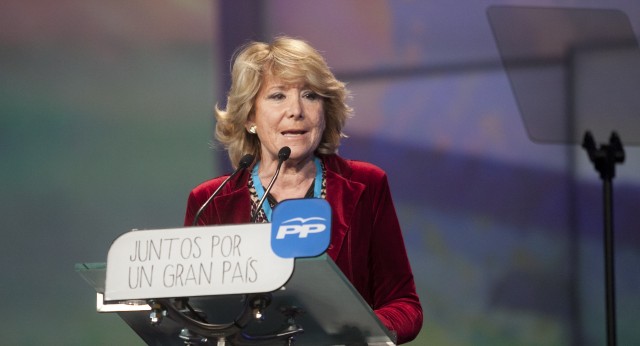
[(223, 285)]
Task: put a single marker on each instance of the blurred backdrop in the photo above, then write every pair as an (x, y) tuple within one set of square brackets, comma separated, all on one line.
[(106, 119)]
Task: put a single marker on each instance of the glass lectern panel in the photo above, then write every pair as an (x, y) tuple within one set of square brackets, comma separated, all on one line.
[(333, 312)]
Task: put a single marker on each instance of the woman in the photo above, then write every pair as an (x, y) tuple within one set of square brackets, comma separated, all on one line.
[(283, 94)]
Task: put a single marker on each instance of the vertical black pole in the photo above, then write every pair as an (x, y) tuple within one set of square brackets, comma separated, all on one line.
[(609, 262), (605, 159)]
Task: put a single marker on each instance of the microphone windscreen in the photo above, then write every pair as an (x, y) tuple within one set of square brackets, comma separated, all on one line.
[(284, 153), (245, 161)]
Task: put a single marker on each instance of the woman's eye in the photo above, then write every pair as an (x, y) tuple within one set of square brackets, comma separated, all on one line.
[(276, 96), (310, 95)]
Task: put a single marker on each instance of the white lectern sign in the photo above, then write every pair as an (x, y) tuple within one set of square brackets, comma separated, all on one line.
[(195, 261)]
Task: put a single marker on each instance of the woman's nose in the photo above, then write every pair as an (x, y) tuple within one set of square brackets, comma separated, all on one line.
[(295, 107)]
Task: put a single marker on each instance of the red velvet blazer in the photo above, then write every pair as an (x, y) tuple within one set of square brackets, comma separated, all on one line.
[(366, 241)]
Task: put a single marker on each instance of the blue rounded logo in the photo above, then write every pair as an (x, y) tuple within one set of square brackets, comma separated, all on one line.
[(301, 227)]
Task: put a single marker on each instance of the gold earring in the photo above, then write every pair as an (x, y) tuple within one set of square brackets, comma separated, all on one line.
[(252, 129)]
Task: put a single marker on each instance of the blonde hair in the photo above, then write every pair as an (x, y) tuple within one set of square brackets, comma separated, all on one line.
[(291, 60)]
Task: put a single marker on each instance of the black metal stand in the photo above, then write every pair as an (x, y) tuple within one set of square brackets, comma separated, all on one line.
[(604, 160), (197, 331)]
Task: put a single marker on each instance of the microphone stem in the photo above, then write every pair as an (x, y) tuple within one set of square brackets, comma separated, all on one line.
[(266, 192), (245, 161), (215, 193), (206, 204)]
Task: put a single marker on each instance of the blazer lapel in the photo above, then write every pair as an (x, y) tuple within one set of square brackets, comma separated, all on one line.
[(343, 195)]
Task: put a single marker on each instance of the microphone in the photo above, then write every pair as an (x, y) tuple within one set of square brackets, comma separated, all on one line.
[(283, 155), (245, 162)]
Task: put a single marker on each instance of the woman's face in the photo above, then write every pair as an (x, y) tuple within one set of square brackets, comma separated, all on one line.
[(288, 115)]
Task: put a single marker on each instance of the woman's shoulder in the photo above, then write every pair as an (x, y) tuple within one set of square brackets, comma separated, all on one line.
[(366, 169), (208, 186), (213, 182)]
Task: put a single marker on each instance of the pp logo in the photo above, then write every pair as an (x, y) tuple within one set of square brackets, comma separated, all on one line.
[(301, 228)]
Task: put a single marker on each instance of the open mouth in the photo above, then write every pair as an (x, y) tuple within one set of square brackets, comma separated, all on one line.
[(293, 133)]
